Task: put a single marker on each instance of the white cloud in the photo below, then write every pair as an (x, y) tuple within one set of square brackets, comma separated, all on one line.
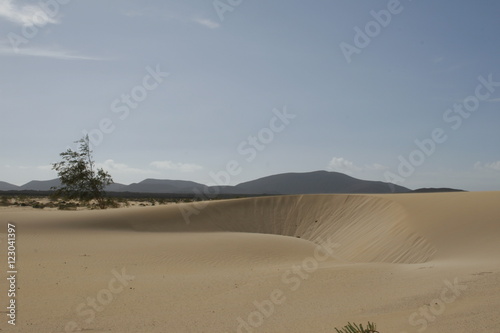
[(488, 166), (340, 164), (494, 165), (54, 53), (182, 167), (26, 15), (112, 167), (207, 23)]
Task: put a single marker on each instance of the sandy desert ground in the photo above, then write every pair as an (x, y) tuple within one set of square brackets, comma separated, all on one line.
[(409, 262)]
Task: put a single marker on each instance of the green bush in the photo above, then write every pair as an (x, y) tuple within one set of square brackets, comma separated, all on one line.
[(80, 179)]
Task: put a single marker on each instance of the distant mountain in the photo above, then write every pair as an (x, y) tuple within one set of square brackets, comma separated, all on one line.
[(164, 186), (41, 185), (287, 183), (116, 187), (314, 183), (4, 186), (46, 185)]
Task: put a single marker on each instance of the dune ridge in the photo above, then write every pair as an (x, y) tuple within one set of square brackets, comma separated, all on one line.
[(366, 228)]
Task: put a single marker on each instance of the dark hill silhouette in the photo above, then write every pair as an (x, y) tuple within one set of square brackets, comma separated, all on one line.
[(287, 183), (163, 186), (315, 183), (4, 186), (41, 185)]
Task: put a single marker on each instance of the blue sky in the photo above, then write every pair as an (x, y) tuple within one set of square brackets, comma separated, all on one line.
[(229, 91)]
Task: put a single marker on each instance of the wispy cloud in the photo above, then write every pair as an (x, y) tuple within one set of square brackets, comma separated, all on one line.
[(26, 15), (123, 169), (182, 167), (172, 16), (206, 23), (341, 164), (54, 53), (487, 166)]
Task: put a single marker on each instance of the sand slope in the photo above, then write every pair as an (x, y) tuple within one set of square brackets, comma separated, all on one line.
[(410, 262)]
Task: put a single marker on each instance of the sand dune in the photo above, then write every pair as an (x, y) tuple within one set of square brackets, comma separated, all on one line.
[(410, 262)]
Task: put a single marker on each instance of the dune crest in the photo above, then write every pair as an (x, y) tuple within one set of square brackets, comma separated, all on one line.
[(367, 229)]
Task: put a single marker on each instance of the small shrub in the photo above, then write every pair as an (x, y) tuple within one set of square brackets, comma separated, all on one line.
[(123, 202), (5, 201), (353, 328), (112, 203), (67, 206), (38, 205)]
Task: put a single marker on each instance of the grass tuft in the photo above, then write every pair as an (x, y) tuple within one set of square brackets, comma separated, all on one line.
[(353, 328)]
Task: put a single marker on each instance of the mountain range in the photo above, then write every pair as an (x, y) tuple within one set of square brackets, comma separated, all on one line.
[(287, 183)]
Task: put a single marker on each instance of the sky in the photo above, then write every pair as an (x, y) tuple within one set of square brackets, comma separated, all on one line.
[(226, 91)]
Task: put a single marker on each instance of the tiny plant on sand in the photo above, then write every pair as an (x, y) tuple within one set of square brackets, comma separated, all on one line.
[(353, 328)]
